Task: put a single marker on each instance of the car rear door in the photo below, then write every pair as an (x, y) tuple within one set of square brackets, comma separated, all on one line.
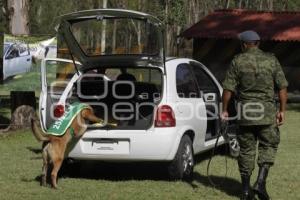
[(190, 108), (24, 59), (12, 62), (211, 92), (57, 78)]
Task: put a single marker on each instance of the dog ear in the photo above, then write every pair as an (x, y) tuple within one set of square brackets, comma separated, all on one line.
[(86, 112)]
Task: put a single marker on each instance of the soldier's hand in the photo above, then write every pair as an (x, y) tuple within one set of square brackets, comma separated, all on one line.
[(279, 118), (224, 116)]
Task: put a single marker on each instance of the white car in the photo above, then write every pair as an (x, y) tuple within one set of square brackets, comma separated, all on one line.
[(166, 109), (17, 59)]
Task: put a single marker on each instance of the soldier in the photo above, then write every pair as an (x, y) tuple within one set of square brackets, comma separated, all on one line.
[(254, 76)]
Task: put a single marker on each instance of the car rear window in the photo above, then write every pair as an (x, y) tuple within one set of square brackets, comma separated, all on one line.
[(116, 36)]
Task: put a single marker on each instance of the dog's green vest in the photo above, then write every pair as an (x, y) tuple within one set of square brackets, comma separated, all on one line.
[(59, 127)]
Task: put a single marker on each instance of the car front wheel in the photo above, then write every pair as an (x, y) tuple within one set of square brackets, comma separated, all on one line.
[(183, 164)]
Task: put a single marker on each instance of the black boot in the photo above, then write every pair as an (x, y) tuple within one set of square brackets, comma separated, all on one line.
[(259, 187), (247, 193)]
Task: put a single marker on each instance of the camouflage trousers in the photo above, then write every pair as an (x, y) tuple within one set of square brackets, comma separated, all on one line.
[(267, 137)]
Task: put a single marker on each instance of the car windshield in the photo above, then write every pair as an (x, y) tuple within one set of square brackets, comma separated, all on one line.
[(116, 36), (5, 48)]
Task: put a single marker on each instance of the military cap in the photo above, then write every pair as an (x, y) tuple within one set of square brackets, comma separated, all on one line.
[(248, 36)]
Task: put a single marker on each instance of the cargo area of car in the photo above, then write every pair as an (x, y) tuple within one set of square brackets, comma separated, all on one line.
[(130, 104)]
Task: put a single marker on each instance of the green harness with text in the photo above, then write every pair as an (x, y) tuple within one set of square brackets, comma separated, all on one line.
[(59, 127)]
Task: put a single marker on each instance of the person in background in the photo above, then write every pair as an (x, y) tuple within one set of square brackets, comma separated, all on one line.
[(253, 77)]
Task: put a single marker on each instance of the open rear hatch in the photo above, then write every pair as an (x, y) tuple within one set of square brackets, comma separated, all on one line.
[(110, 41), (128, 103), (104, 37)]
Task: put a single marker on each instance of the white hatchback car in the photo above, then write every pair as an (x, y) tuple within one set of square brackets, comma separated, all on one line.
[(16, 59), (166, 109)]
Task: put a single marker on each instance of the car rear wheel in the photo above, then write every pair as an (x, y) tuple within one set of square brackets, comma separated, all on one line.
[(183, 164)]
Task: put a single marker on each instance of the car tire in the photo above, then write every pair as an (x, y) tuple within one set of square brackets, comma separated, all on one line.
[(182, 167)]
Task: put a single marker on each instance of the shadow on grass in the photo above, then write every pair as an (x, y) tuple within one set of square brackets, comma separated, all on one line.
[(120, 171), (34, 150), (4, 122), (293, 107), (115, 171), (227, 185)]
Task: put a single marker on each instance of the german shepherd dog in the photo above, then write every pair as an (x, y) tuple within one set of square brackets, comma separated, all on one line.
[(54, 147)]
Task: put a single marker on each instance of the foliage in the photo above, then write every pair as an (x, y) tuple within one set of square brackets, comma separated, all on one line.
[(176, 14), (28, 81)]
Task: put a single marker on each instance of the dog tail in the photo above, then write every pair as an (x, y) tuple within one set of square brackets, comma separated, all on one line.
[(37, 131)]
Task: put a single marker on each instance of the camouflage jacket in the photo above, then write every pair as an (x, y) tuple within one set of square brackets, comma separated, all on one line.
[(254, 76)]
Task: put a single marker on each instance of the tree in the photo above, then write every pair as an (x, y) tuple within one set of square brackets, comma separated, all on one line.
[(103, 33), (18, 16)]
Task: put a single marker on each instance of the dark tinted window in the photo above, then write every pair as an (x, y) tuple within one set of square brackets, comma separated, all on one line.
[(116, 36), (14, 52), (185, 82), (203, 79)]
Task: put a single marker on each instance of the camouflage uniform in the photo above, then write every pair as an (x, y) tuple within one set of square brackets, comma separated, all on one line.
[(254, 76)]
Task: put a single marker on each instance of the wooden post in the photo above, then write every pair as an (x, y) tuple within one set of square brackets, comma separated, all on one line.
[(19, 98), (1, 57)]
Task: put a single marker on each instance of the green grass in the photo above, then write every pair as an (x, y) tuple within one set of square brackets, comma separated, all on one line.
[(29, 81), (21, 162)]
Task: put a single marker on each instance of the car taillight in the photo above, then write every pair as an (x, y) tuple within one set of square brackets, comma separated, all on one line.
[(58, 111), (165, 117)]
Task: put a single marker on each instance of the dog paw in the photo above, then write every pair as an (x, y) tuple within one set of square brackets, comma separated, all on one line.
[(55, 187)]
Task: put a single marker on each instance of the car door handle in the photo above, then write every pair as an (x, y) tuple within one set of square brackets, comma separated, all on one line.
[(28, 59), (210, 97)]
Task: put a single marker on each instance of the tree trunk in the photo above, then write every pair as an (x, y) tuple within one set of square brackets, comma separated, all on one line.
[(227, 4), (18, 16), (270, 4), (240, 4), (20, 119), (113, 46), (23, 106), (139, 31), (103, 32), (4, 17), (261, 5), (286, 5), (167, 42)]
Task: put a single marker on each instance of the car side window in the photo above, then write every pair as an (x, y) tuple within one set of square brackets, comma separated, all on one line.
[(23, 50), (14, 52), (185, 82), (205, 82)]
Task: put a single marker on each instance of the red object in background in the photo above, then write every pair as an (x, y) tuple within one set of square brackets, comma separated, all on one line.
[(226, 24)]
